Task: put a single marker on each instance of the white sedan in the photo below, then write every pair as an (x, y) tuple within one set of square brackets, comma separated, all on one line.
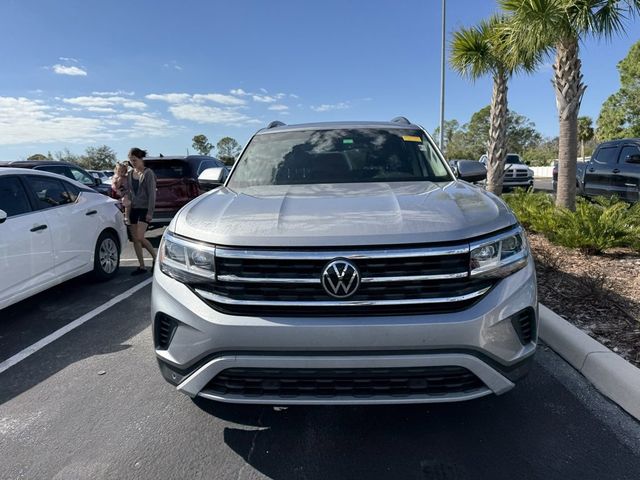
[(52, 229)]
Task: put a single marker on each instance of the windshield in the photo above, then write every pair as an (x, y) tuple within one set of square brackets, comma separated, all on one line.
[(338, 156), (513, 159)]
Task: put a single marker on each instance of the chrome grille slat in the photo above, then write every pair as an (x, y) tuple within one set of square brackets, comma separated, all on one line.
[(339, 303), (222, 252), (408, 278)]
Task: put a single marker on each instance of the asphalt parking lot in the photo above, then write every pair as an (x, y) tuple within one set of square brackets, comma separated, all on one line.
[(92, 404)]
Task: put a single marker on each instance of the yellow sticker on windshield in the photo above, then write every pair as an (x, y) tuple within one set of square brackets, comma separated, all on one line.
[(411, 138)]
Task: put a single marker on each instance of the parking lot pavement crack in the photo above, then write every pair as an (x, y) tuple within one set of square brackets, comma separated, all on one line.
[(254, 440)]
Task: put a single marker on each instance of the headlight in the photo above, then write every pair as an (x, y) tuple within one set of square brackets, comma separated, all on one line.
[(499, 256), (186, 261)]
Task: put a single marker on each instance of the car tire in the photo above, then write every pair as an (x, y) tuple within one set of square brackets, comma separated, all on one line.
[(106, 258)]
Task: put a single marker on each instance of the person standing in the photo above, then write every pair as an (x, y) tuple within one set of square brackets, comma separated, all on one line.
[(141, 185)]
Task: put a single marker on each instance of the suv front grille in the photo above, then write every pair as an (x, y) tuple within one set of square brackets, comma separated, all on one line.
[(357, 382), (394, 281)]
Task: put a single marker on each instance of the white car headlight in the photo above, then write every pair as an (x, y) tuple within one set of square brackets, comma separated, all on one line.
[(186, 261), (499, 256)]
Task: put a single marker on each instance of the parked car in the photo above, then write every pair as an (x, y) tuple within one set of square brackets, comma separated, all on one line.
[(613, 169), (344, 263), (516, 173), (53, 229), (68, 170), (177, 182), (100, 175), (579, 176)]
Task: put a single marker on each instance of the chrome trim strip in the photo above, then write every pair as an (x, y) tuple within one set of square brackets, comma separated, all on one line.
[(235, 278), (408, 278), (338, 303), (222, 252), (415, 278)]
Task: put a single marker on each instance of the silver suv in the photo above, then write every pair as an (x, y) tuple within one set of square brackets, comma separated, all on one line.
[(344, 263)]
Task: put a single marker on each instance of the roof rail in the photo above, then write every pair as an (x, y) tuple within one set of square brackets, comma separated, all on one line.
[(403, 120), (276, 123)]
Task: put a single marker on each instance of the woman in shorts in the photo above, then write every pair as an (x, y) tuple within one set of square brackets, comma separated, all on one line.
[(141, 191)]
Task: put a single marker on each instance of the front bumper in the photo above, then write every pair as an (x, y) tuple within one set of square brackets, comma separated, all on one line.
[(481, 339)]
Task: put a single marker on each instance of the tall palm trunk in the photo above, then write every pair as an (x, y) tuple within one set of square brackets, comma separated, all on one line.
[(497, 148), (567, 81)]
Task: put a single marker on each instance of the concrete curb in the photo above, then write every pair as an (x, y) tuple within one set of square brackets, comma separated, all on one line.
[(611, 374)]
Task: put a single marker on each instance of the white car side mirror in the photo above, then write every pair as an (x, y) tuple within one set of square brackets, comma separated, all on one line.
[(3, 216)]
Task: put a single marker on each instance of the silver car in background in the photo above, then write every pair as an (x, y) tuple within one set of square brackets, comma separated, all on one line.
[(344, 263)]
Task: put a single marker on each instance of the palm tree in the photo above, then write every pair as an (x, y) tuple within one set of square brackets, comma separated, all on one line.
[(585, 131), (476, 52), (559, 25)]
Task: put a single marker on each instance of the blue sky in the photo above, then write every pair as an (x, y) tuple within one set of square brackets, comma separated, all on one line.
[(78, 73)]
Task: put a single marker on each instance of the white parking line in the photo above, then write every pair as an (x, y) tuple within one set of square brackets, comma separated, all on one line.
[(18, 357)]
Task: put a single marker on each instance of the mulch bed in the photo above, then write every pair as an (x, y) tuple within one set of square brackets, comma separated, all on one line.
[(598, 294)]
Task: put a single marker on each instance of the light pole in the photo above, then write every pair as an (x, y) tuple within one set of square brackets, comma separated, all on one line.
[(444, 10)]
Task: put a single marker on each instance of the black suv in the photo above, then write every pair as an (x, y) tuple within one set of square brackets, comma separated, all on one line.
[(68, 170), (614, 169)]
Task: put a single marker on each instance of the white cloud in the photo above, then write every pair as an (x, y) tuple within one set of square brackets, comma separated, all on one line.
[(264, 98), (145, 124), (99, 109), (264, 90), (278, 108), (207, 114), (169, 97), (69, 70), (23, 120), (238, 91), (114, 93), (173, 65), (105, 102), (293, 95), (182, 98), (326, 107), (68, 59), (219, 98), (32, 121), (135, 104)]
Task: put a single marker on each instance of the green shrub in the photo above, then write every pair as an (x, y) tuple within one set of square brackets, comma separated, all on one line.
[(593, 228), (534, 210)]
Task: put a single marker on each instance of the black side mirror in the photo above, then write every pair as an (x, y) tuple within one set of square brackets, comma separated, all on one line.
[(632, 159), (471, 171)]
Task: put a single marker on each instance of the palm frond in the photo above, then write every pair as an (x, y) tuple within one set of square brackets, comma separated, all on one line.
[(471, 54)]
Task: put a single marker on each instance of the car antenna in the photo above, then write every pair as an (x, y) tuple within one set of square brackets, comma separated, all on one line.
[(276, 123)]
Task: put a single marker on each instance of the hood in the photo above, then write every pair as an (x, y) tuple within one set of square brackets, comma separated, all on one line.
[(343, 214)]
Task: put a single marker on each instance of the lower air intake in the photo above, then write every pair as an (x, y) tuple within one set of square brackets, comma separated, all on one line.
[(359, 382)]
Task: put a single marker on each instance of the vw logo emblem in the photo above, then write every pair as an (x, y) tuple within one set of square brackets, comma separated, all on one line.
[(340, 278)]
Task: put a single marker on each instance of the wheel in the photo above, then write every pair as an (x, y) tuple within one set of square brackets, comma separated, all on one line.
[(106, 257)]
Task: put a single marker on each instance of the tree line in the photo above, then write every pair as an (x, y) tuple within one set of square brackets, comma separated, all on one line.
[(469, 141), (104, 157)]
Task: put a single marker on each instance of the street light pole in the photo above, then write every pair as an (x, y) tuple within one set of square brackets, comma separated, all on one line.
[(444, 9)]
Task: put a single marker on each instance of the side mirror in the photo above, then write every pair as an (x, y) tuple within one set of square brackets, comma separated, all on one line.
[(471, 171), (632, 159), (211, 178), (3, 216)]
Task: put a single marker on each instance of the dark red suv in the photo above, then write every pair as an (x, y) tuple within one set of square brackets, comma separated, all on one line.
[(177, 182)]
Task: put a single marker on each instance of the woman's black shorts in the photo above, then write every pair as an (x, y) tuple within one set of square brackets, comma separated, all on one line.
[(137, 215)]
